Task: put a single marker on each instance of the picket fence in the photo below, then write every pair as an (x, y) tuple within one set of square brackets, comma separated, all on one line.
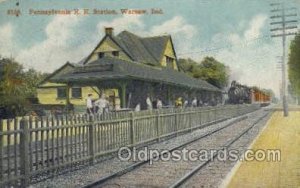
[(33, 148)]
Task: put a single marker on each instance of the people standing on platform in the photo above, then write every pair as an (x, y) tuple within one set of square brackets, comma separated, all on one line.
[(194, 102), (137, 107), (178, 102), (200, 102), (89, 104), (149, 103), (101, 104), (186, 103), (159, 104)]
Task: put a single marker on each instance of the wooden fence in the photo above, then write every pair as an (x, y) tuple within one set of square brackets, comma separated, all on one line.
[(32, 148)]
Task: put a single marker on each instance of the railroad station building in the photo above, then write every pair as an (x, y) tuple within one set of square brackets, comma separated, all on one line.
[(127, 68)]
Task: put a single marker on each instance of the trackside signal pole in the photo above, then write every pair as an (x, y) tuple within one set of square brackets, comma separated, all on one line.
[(284, 25)]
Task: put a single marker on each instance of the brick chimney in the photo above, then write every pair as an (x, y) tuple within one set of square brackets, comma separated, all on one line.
[(109, 31)]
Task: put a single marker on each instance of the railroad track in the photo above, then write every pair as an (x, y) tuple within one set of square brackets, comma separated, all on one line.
[(175, 173), (227, 145)]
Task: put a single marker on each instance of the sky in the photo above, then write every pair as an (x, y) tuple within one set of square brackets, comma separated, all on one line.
[(235, 32)]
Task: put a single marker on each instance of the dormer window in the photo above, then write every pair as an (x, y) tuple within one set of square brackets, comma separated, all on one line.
[(115, 53), (100, 55)]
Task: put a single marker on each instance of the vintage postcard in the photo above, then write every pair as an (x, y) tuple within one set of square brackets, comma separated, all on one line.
[(149, 93)]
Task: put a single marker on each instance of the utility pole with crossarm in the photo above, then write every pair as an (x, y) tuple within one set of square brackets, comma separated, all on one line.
[(285, 25)]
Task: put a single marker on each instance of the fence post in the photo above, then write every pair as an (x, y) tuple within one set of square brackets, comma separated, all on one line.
[(208, 114), (132, 131), (1, 148), (176, 121), (215, 113), (190, 119), (158, 125), (24, 155), (200, 116), (91, 128)]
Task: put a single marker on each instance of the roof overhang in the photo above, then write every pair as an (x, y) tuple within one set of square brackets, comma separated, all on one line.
[(118, 70)]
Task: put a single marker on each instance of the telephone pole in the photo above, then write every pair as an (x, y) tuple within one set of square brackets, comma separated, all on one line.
[(284, 22)]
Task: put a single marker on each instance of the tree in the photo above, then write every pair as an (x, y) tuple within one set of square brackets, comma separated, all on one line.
[(209, 69), (16, 86), (187, 65), (294, 66)]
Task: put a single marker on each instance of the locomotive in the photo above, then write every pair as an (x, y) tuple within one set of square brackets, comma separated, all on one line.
[(240, 94)]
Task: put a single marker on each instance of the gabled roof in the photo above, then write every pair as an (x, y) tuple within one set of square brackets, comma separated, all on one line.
[(110, 68), (147, 50), (156, 45), (143, 52), (136, 48), (57, 72), (115, 40)]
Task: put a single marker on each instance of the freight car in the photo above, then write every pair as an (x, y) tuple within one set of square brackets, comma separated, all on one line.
[(260, 96), (240, 94)]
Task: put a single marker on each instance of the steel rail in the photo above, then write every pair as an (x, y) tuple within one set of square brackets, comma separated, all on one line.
[(188, 175), (138, 164)]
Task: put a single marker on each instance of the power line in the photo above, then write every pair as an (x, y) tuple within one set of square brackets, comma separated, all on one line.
[(225, 46)]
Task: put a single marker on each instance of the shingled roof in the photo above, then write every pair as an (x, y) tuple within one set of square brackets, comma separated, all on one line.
[(136, 48), (110, 68), (145, 54), (146, 50)]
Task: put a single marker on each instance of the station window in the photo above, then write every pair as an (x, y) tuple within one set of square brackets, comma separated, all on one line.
[(115, 53), (169, 61), (100, 55), (61, 93), (76, 92)]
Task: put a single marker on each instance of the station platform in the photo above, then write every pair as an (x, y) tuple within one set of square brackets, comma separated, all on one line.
[(281, 133)]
